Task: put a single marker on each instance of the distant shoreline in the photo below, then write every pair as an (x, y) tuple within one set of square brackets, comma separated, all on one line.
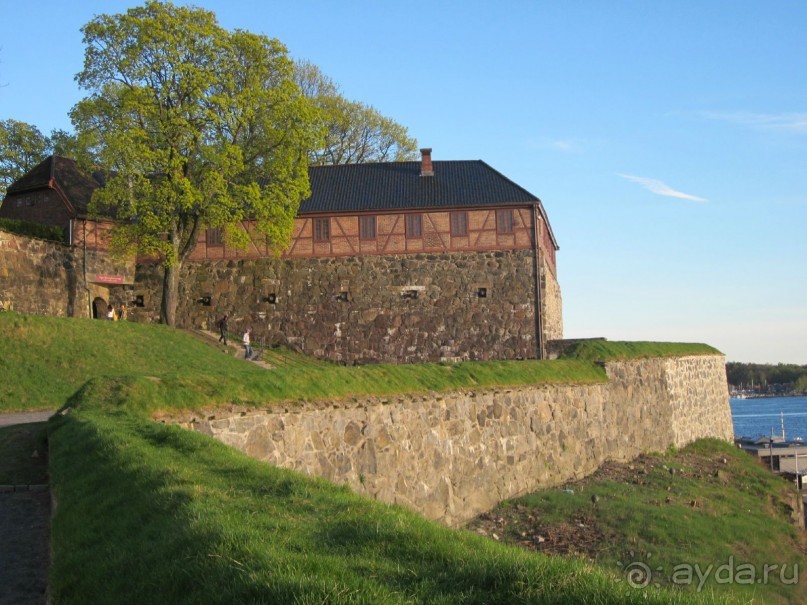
[(783, 396)]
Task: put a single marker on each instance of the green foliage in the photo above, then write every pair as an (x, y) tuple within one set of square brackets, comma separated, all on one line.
[(69, 145), (604, 350), (49, 232), (355, 133), (151, 367), (199, 127), (153, 513), (22, 146)]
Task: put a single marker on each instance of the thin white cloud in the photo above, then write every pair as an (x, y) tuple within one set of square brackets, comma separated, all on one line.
[(788, 122), (661, 188)]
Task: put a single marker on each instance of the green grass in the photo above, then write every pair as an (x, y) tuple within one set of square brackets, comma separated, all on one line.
[(741, 514), (23, 454), (152, 513), (152, 368), (147, 512), (605, 350), (283, 357)]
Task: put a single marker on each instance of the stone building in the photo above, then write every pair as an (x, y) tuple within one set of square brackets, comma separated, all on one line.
[(401, 261)]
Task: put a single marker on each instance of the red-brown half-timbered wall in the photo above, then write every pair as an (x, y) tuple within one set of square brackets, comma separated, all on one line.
[(391, 236), (94, 233)]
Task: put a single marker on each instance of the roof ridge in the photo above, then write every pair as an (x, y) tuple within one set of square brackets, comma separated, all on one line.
[(509, 180), (537, 199)]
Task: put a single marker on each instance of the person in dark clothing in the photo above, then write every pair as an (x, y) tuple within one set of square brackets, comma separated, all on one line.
[(222, 324)]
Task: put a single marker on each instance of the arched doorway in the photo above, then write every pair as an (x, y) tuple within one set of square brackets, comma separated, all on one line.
[(99, 306)]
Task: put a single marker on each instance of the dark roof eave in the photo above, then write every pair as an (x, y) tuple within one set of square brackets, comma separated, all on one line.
[(398, 209)]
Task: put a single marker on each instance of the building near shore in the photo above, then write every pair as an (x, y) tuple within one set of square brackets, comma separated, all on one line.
[(395, 262)]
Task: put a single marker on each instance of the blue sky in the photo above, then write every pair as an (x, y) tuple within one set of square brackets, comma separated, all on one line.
[(667, 140)]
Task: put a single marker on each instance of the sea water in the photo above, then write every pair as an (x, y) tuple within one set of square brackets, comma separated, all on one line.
[(757, 417)]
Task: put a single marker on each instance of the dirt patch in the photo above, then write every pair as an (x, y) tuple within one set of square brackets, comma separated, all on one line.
[(581, 535)]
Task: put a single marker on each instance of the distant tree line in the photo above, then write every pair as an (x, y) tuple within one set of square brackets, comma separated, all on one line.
[(767, 378)]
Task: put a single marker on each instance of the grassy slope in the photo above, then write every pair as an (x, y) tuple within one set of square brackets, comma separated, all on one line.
[(644, 513), (598, 350), (151, 513), (151, 367)]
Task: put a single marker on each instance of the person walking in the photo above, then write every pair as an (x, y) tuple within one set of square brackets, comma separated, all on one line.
[(247, 345), (222, 324)]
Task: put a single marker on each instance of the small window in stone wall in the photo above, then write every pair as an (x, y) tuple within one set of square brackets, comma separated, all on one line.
[(215, 237), (322, 229), (414, 226), (367, 227)]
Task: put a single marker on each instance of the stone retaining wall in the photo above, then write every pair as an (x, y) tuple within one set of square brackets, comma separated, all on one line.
[(451, 456)]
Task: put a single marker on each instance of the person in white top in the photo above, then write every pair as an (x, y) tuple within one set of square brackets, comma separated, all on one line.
[(247, 345)]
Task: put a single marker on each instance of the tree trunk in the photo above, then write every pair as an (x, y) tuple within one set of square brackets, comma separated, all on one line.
[(168, 307)]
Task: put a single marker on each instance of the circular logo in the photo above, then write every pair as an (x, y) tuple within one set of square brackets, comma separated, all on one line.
[(638, 574)]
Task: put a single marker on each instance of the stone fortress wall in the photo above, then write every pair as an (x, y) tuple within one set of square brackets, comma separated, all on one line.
[(41, 277), (354, 309), (449, 456), (383, 308), (452, 456)]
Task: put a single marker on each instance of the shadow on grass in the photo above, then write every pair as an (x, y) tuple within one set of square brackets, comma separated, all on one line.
[(152, 513)]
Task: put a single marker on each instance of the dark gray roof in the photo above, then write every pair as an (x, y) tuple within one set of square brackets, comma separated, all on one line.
[(345, 188), (66, 175), (399, 186)]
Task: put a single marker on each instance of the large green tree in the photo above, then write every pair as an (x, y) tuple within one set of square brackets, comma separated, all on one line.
[(22, 146), (355, 133), (198, 126)]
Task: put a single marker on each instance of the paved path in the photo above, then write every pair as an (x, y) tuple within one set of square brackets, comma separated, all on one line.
[(24, 417), (24, 534), (24, 547)]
